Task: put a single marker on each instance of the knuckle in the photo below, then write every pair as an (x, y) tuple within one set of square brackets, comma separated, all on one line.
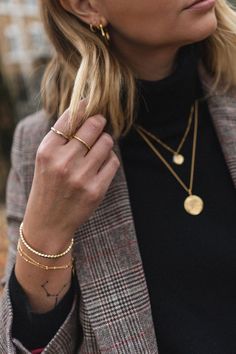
[(79, 182), (93, 194), (101, 118), (107, 140), (94, 123), (115, 161), (43, 154)]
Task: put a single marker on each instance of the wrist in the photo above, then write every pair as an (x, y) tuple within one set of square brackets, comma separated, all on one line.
[(45, 240)]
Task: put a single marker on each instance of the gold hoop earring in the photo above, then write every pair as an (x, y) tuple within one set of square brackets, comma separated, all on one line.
[(104, 33)]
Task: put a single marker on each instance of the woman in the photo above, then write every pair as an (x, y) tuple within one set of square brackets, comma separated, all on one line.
[(141, 171)]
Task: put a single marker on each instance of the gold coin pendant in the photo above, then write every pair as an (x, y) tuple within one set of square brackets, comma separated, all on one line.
[(193, 205), (178, 159)]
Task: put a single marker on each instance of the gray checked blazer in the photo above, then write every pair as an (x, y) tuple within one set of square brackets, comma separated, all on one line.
[(114, 307)]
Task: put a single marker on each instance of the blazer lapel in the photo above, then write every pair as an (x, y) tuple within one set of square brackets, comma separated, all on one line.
[(111, 276), (223, 112)]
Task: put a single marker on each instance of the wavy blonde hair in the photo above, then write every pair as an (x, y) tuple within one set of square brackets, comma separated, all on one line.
[(83, 66)]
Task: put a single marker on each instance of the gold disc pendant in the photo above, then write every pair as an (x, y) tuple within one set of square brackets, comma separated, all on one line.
[(193, 205), (178, 159)]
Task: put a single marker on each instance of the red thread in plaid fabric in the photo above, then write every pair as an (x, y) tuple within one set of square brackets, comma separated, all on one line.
[(125, 340), (37, 351)]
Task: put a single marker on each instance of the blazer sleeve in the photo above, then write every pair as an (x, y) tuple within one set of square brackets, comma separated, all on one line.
[(64, 340)]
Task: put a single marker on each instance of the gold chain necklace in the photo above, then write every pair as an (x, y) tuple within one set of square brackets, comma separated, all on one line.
[(178, 158), (193, 204)]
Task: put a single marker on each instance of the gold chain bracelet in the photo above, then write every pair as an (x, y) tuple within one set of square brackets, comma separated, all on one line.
[(43, 254), (32, 261)]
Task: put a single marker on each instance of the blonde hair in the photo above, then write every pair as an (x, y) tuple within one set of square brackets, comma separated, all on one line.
[(84, 67)]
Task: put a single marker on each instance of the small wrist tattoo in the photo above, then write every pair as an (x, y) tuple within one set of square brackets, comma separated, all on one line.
[(55, 296)]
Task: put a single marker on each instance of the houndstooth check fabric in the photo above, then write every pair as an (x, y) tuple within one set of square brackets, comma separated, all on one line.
[(114, 308)]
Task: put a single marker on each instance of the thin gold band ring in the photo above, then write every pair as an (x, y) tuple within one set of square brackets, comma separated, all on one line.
[(82, 141), (58, 132)]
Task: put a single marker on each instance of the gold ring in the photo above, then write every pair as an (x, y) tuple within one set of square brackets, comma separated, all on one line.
[(58, 132), (82, 141)]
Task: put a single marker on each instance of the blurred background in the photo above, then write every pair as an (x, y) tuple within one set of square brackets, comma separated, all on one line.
[(24, 53)]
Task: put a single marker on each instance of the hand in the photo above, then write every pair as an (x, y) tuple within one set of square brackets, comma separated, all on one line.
[(68, 183)]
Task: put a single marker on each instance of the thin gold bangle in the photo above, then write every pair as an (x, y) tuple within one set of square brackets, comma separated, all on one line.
[(43, 254), (32, 261)]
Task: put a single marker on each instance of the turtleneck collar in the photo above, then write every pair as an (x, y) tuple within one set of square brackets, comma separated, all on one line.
[(168, 101)]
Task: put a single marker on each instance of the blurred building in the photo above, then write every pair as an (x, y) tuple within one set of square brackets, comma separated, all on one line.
[(7, 124), (24, 51)]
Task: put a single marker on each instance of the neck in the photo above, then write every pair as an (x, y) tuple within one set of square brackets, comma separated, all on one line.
[(147, 63), (169, 101)]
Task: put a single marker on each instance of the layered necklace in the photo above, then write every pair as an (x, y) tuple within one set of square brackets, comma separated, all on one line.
[(193, 204), (178, 158)]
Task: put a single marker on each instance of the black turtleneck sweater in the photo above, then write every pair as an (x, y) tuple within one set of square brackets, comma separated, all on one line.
[(189, 261)]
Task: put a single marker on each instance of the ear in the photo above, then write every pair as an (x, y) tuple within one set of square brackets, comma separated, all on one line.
[(86, 10)]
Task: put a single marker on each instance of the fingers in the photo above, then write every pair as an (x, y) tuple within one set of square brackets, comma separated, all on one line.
[(99, 153), (107, 172), (89, 132), (61, 134), (58, 134), (61, 125), (63, 120)]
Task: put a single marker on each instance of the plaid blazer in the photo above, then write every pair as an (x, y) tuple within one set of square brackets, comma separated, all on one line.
[(114, 307)]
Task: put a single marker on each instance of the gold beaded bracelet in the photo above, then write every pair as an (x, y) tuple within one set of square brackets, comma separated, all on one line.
[(32, 261), (43, 254)]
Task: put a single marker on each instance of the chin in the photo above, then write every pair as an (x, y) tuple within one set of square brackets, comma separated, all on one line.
[(203, 28)]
